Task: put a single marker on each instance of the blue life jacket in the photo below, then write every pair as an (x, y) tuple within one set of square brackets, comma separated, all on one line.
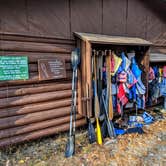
[(122, 66), (163, 87), (156, 71), (132, 93), (135, 69)]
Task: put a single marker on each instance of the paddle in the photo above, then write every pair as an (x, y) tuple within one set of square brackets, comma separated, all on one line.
[(109, 124), (96, 106), (91, 130), (70, 146), (109, 94), (104, 129)]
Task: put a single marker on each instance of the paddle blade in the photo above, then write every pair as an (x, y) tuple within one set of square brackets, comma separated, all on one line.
[(113, 129), (91, 133), (99, 137), (97, 105), (104, 129), (70, 149)]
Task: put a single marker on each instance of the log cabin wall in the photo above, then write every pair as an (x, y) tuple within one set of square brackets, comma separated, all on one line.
[(31, 108), (44, 29)]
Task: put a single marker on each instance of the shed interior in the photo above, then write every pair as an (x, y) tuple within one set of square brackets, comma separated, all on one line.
[(101, 43)]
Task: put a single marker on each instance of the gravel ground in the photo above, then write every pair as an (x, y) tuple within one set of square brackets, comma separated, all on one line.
[(127, 150)]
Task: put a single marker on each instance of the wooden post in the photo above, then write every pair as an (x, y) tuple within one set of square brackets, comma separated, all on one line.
[(145, 62), (88, 75), (79, 80), (83, 77)]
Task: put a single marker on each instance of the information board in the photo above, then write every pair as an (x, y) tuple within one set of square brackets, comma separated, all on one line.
[(13, 68), (51, 69)]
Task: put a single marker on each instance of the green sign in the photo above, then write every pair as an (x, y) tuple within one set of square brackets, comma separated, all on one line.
[(13, 68)]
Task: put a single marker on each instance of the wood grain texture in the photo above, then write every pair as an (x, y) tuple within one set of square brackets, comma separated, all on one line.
[(32, 47), (39, 133), (114, 40), (36, 107), (88, 81), (35, 126), (137, 19), (114, 17), (108, 66), (27, 91), (33, 117), (33, 79), (86, 16), (34, 98)]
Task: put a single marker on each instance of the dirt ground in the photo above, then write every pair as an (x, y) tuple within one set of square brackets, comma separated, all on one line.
[(147, 149)]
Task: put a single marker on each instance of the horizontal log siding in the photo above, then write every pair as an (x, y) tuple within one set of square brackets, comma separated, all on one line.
[(31, 108)]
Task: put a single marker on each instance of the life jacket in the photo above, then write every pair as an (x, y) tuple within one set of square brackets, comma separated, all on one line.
[(151, 74), (122, 77), (135, 69), (125, 63), (140, 88), (156, 71), (121, 94), (114, 101), (160, 72), (104, 76), (140, 100), (131, 80), (163, 87), (116, 62), (132, 93), (113, 89)]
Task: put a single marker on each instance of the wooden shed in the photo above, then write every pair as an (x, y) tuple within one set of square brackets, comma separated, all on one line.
[(87, 42), (34, 108)]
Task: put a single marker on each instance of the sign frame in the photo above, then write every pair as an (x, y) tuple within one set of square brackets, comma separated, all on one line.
[(14, 68), (50, 69)]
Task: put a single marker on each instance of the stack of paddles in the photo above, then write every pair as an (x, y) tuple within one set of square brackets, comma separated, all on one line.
[(117, 84), (102, 101)]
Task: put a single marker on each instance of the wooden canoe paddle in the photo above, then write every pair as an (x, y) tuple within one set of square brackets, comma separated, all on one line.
[(96, 105), (91, 130), (109, 94)]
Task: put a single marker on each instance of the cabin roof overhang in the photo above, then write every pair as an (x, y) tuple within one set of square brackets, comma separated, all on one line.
[(114, 40)]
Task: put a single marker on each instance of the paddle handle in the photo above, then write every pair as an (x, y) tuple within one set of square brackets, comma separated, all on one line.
[(97, 106), (98, 132)]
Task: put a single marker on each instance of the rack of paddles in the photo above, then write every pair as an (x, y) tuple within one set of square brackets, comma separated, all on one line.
[(112, 79)]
